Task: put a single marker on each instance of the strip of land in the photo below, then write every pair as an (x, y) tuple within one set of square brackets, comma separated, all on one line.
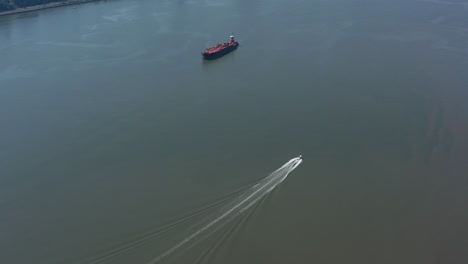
[(44, 6)]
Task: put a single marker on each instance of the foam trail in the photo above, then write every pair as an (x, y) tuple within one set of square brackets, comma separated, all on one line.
[(118, 250), (239, 205)]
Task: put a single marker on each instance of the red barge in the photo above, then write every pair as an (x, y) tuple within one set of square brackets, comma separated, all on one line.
[(220, 49)]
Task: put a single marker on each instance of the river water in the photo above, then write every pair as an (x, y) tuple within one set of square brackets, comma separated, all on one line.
[(112, 126)]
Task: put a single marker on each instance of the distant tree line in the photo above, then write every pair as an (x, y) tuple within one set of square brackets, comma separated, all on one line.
[(6, 5)]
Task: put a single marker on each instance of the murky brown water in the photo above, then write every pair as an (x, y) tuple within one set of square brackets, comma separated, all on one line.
[(111, 125)]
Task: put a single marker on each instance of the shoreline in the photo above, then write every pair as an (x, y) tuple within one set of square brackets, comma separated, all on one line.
[(46, 6)]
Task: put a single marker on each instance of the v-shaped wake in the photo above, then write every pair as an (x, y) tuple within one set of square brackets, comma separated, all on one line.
[(241, 203)]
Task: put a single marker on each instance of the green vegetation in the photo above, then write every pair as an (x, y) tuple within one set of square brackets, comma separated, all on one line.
[(6, 5)]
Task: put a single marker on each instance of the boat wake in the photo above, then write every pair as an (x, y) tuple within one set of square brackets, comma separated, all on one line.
[(238, 206), (217, 215)]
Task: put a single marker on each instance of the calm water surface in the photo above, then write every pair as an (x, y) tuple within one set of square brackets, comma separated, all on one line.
[(111, 125)]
